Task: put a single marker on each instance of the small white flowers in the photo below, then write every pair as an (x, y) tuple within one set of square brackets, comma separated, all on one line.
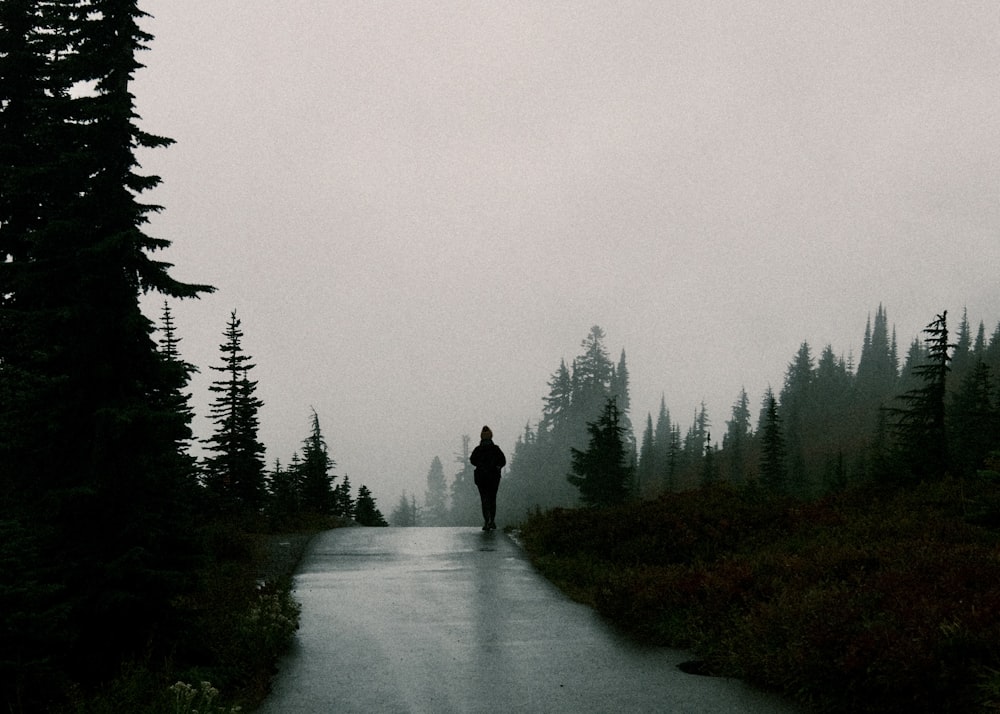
[(188, 700)]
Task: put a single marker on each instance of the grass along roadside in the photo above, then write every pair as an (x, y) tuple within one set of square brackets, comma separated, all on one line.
[(871, 600), (232, 628)]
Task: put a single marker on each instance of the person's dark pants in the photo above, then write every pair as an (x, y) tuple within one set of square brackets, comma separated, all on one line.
[(488, 488)]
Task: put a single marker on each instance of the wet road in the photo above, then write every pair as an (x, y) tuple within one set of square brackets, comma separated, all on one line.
[(456, 620)]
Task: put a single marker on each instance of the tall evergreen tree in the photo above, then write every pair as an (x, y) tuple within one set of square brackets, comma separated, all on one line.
[(962, 358), (661, 444), (283, 507), (878, 366), (344, 504), (315, 475), (603, 472), (619, 390), (736, 442), (465, 508), (675, 459), (406, 513), (175, 395), (436, 495), (557, 404), (920, 424), (91, 429), (689, 465), (234, 469), (646, 469), (772, 447), (709, 466), (974, 430), (797, 409)]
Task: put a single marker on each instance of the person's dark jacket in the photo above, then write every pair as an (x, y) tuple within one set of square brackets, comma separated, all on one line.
[(488, 460)]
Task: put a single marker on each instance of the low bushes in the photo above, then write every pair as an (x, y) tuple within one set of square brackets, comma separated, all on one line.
[(232, 628), (868, 601)]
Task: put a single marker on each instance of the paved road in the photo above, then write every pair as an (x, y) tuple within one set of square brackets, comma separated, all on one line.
[(443, 620)]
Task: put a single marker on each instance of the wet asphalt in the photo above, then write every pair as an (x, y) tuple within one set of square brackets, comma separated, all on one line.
[(439, 620)]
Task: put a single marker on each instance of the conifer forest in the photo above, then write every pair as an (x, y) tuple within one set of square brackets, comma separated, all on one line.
[(138, 562), (119, 548)]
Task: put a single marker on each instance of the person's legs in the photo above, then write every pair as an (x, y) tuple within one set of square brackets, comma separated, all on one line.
[(484, 496), (490, 508)]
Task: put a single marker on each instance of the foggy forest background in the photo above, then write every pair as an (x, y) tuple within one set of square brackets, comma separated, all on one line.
[(830, 424)]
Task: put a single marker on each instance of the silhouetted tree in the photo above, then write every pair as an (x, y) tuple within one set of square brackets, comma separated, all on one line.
[(234, 469), (736, 441), (602, 472), (645, 475), (920, 425), (661, 444), (556, 409), (90, 427), (675, 459), (283, 506), (316, 477), (875, 382), (344, 504), (975, 421), (772, 446), (366, 512), (541, 459), (796, 409), (175, 396)]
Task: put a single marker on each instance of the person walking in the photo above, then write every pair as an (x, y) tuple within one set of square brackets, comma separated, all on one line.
[(488, 460)]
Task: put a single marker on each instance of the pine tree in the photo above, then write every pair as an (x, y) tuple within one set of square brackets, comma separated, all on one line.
[(557, 404), (877, 369), (465, 509), (796, 408), (962, 359), (405, 514), (920, 425), (90, 425), (315, 476), (366, 512), (675, 460), (234, 470), (176, 399), (619, 390), (283, 505), (602, 472), (689, 464), (344, 504), (435, 498), (974, 431), (772, 467), (646, 469), (709, 467), (661, 445), (736, 442)]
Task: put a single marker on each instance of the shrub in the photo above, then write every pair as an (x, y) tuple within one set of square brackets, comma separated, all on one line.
[(867, 601)]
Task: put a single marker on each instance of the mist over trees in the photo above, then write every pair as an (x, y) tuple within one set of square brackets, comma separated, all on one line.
[(828, 425)]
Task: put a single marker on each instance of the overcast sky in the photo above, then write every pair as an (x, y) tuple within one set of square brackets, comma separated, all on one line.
[(417, 209)]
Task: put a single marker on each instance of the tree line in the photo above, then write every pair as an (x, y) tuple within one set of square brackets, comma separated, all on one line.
[(830, 424), (105, 515), (233, 475), (543, 455)]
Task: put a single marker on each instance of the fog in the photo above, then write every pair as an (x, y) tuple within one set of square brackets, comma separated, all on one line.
[(418, 209)]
